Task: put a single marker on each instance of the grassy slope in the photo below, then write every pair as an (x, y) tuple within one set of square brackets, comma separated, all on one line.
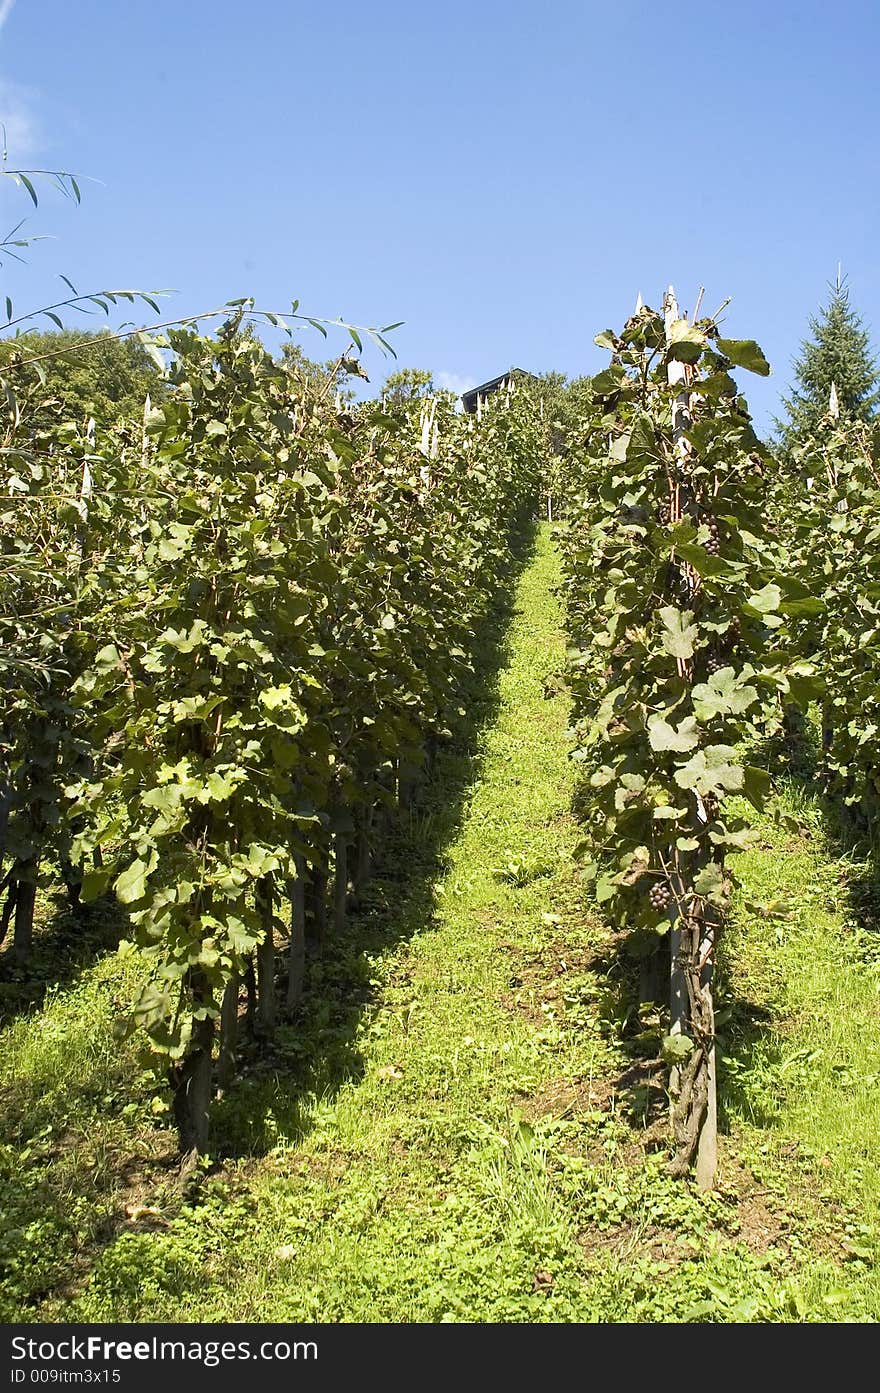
[(465, 1123)]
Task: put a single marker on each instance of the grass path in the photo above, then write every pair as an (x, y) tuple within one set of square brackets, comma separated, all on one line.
[(467, 1121), (407, 1184), (411, 1189)]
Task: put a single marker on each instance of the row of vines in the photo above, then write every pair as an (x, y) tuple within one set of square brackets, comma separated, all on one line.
[(232, 636), (715, 593)]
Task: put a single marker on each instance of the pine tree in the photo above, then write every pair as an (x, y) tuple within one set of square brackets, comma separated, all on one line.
[(838, 353)]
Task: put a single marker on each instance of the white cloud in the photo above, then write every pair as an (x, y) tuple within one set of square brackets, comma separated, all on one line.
[(5, 7), (18, 119), (454, 382)]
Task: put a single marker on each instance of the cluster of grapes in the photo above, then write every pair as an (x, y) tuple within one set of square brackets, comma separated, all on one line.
[(712, 544), (665, 514), (660, 896), (721, 655), (630, 512)]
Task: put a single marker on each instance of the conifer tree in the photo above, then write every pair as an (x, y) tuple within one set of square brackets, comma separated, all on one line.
[(839, 353)]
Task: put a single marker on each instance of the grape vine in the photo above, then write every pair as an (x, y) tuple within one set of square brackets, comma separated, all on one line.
[(679, 609)]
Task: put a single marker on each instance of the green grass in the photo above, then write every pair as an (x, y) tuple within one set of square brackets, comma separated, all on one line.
[(803, 1088), (467, 1121)]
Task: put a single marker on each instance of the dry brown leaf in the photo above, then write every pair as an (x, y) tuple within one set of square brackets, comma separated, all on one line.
[(136, 1213)]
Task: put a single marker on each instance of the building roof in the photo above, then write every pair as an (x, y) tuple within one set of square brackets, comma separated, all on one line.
[(469, 398)]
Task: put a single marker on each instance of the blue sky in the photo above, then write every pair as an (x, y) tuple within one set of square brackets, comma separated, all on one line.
[(503, 177)]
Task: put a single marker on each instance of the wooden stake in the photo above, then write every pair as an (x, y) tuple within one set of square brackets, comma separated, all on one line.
[(266, 957), (23, 922), (296, 953), (340, 882), (405, 784), (678, 997), (191, 1079), (682, 932), (364, 856), (228, 1032), (316, 918), (707, 1146)]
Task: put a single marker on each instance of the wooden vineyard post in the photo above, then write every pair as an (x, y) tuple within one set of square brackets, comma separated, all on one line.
[(5, 804), (692, 1086), (707, 1146), (228, 1032), (316, 908), (296, 954), (340, 881), (405, 784), (23, 920), (250, 987), (266, 956), (191, 1080), (363, 866), (431, 748), (681, 419)]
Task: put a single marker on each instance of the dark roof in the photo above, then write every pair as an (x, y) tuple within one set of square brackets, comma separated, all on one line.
[(469, 398)]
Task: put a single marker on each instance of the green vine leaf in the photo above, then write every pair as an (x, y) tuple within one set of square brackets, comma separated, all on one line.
[(765, 601), (663, 736), (723, 695), (710, 883), (680, 633), (756, 786), (676, 1049), (710, 770), (745, 353), (685, 341), (131, 885)]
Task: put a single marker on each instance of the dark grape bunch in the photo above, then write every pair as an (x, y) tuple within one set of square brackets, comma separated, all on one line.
[(665, 514), (660, 896), (721, 655), (633, 513), (712, 544)]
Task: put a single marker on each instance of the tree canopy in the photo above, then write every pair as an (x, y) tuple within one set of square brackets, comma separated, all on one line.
[(407, 384), (87, 374)]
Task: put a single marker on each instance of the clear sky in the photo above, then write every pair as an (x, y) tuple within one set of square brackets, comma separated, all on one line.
[(503, 177)]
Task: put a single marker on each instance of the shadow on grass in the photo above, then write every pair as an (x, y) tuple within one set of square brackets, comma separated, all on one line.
[(753, 1054), (749, 1059), (854, 841), (851, 834), (280, 1084), (66, 942)]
